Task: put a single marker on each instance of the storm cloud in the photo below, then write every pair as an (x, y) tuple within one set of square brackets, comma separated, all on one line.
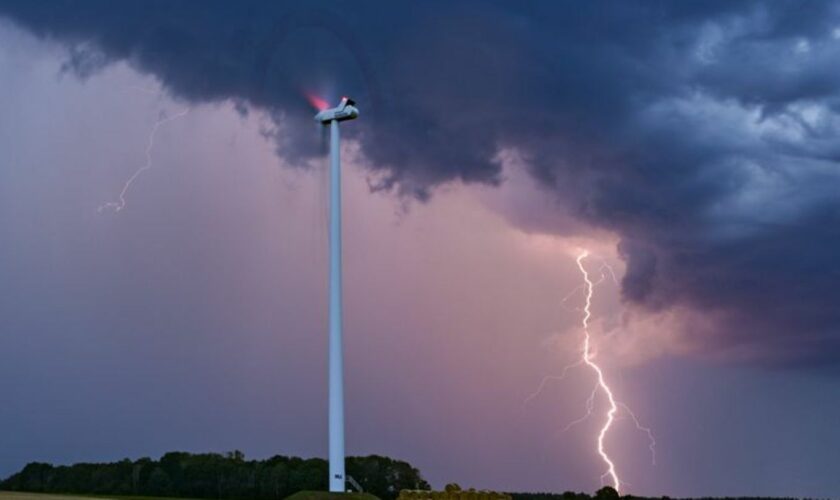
[(702, 133)]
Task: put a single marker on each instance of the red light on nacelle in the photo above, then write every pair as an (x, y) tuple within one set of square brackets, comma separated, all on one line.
[(316, 102)]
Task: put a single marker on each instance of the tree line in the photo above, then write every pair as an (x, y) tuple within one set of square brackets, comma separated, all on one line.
[(609, 493), (226, 476), (230, 476)]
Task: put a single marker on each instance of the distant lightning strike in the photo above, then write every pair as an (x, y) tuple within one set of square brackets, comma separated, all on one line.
[(602, 384), (116, 206), (588, 359)]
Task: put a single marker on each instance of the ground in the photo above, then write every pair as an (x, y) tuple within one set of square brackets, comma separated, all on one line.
[(302, 495), (322, 495), (14, 495)]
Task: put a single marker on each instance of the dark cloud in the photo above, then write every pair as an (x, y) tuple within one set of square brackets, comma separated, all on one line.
[(701, 132)]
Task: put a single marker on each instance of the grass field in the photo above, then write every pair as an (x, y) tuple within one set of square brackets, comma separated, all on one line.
[(13, 495), (302, 495)]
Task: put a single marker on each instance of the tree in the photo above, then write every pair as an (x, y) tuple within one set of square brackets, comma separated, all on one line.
[(607, 493), (159, 483), (385, 477)]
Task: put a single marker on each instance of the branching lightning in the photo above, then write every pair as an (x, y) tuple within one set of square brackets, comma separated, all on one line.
[(588, 358), (116, 206)]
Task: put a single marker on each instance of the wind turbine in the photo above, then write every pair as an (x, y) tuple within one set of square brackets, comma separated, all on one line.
[(346, 110)]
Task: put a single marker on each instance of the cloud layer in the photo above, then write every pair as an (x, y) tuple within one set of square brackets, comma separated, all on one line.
[(701, 133)]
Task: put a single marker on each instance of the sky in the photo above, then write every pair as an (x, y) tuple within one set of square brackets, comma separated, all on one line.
[(688, 145)]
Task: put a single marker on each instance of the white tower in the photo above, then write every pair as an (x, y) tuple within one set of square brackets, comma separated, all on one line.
[(346, 110)]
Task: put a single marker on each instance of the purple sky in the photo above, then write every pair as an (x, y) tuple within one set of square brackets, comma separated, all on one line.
[(194, 319)]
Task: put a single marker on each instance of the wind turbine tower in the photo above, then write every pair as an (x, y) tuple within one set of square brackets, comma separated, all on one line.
[(346, 110)]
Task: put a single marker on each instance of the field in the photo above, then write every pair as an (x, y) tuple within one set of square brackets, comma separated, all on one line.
[(303, 495), (13, 495)]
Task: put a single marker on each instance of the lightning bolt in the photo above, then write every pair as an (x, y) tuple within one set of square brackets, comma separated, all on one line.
[(116, 206), (588, 358)]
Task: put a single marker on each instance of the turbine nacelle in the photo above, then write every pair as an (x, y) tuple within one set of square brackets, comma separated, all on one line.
[(346, 110)]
